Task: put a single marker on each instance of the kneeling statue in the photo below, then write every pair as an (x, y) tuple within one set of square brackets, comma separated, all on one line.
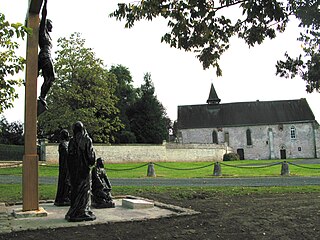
[(101, 187)]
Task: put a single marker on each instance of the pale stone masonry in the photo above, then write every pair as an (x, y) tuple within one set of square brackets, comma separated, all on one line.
[(267, 141), (168, 152)]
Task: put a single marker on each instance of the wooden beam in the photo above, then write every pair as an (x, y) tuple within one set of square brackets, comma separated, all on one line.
[(35, 6), (30, 187)]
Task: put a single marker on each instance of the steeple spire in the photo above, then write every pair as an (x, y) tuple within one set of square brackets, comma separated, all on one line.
[(213, 97)]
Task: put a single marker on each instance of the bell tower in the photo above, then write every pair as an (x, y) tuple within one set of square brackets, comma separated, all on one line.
[(213, 97)]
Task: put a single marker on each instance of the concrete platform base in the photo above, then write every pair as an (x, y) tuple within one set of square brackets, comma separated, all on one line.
[(56, 215), (18, 213), (136, 203)]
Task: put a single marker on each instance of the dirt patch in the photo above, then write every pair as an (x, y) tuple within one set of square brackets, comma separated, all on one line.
[(267, 216)]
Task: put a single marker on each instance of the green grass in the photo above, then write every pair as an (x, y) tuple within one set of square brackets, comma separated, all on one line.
[(272, 171), (12, 193), (169, 169)]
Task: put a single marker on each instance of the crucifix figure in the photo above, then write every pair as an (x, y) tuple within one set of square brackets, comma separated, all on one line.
[(45, 63)]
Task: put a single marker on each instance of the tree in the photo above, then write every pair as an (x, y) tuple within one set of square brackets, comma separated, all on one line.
[(10, 63), (11, 133), (148, 118), (307, 66), (203, 26), (175, 130), (83, 90), (127, 95)]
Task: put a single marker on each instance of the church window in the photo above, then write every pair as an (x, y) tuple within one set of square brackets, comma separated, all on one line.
[(249, 139), (226, 137), (280, 126), (293, 132), (214, 137)]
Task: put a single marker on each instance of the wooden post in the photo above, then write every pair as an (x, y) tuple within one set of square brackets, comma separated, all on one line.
[(30, 187)]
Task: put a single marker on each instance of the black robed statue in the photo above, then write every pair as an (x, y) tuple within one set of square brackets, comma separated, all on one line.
[(81, 157), (63, 190)]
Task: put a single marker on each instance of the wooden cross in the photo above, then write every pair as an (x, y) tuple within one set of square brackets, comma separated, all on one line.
[(34, 6), (30, 191)]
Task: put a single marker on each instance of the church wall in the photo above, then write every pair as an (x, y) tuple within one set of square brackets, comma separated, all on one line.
[(259, 148), (301, 147), (317, 135), (267, 140)]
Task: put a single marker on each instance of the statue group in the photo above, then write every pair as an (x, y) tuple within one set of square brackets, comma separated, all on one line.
[(81, 177), (77, 161)]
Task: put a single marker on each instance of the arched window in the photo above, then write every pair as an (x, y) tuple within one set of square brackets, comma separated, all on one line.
[(249, 139), (214, 137), (293, 132)]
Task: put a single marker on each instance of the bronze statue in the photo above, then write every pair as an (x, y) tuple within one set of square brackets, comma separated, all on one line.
[(101, 187), (81, 157), (44, 60), (63, 189)]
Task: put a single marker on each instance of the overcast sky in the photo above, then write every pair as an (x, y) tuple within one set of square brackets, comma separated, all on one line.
[(178, 77)]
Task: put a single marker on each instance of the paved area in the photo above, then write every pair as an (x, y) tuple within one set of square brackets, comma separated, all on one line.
[(55, 216), (4, 219)]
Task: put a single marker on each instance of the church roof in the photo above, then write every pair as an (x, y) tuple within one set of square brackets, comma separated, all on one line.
[(244, 114)]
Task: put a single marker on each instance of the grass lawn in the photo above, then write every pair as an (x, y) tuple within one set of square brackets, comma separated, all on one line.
[(245, 168)]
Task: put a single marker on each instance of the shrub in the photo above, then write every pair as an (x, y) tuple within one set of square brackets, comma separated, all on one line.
[(231, 157), (127, 137), (11, 133), (11, 152)]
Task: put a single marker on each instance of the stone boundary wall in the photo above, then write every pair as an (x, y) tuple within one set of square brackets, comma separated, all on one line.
[(151, 153)]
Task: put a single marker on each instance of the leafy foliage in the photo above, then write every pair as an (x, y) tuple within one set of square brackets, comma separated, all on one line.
[(11, 133), (127, 95), (83, 90), (231, 157), (148, 120), (307, 66), (175, 130), (10, 63), (206, 26)]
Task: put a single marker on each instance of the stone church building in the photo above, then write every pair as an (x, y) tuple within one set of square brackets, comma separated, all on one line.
[(255, 130)]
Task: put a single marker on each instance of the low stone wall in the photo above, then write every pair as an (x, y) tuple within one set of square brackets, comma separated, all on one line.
[(151, 153)]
